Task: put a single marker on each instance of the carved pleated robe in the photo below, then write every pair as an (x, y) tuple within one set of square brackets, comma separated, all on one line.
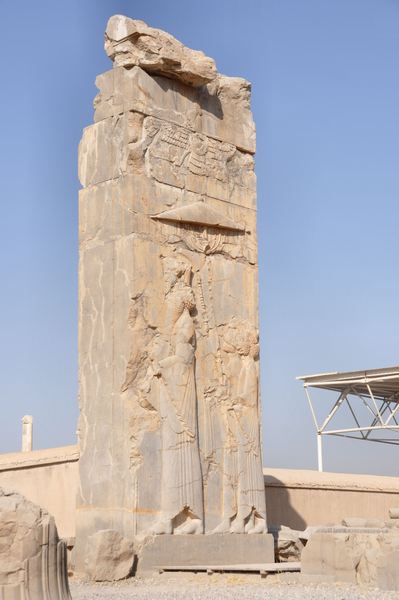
[(181, 469)]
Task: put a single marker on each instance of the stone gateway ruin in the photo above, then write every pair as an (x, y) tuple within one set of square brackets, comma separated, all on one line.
[(169, 427), (167, 474)]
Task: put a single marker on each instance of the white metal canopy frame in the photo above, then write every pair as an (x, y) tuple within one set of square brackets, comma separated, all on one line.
[(376, 390)]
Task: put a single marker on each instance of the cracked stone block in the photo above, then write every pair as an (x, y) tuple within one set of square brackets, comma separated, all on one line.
[(32, 558)]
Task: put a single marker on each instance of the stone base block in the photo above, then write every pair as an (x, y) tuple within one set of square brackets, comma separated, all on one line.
[(205, 550), (366, 556)]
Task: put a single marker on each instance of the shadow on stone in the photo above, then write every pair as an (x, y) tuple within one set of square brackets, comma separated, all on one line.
[(279, 508)]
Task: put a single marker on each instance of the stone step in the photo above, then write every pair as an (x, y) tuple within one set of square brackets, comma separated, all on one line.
[(261, 568)]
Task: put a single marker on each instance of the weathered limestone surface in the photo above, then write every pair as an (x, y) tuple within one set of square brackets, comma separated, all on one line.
[(220, 109), (110, 556), (130, 43), (288, 543), (359, 555), (168, 334), (48, 478), (32, 558), (183, 551)]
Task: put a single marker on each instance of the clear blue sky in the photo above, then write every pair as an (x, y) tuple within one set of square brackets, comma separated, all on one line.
[(326, 100)]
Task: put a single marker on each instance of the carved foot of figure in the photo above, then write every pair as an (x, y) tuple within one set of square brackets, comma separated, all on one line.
[(250, 524), (259, 527), (191, 527), (238, 526), (162, 527), (223, 527)]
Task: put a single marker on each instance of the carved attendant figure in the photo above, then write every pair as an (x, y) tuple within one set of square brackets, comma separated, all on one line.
[(244, 502), (182, 497)]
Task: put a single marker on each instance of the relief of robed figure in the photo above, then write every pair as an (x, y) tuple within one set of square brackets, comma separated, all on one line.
[(244, 501), (173, 370)]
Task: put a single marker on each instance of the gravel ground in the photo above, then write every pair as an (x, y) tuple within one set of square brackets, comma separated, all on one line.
[(221, 587)]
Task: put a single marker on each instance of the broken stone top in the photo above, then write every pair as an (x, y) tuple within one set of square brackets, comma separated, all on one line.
[(129, 43)]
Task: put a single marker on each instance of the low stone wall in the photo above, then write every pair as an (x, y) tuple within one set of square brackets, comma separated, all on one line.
[(300, 498), (294, 498), (48, 478)]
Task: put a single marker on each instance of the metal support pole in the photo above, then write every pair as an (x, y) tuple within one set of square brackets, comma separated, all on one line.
[(337, 405), (319, 452)]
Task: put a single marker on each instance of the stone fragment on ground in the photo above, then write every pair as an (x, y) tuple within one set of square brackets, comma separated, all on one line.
[(110, 556), (32, 558), (288, 544), (367, 558)]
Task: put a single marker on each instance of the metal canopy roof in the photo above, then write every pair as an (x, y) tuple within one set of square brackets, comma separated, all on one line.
[(375, 392), (384, 383)]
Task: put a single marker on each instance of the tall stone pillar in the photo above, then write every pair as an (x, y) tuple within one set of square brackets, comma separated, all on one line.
[(168, 332)]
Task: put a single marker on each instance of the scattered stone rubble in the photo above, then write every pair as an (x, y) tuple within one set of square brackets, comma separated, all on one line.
[(361, 551)]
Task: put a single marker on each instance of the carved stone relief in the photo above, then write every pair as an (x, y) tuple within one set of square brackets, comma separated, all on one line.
[(172, 373), (168, 154), (136, 378), (162, 373), (179, 157), (203, 229), (244, 505), (169, 401)]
